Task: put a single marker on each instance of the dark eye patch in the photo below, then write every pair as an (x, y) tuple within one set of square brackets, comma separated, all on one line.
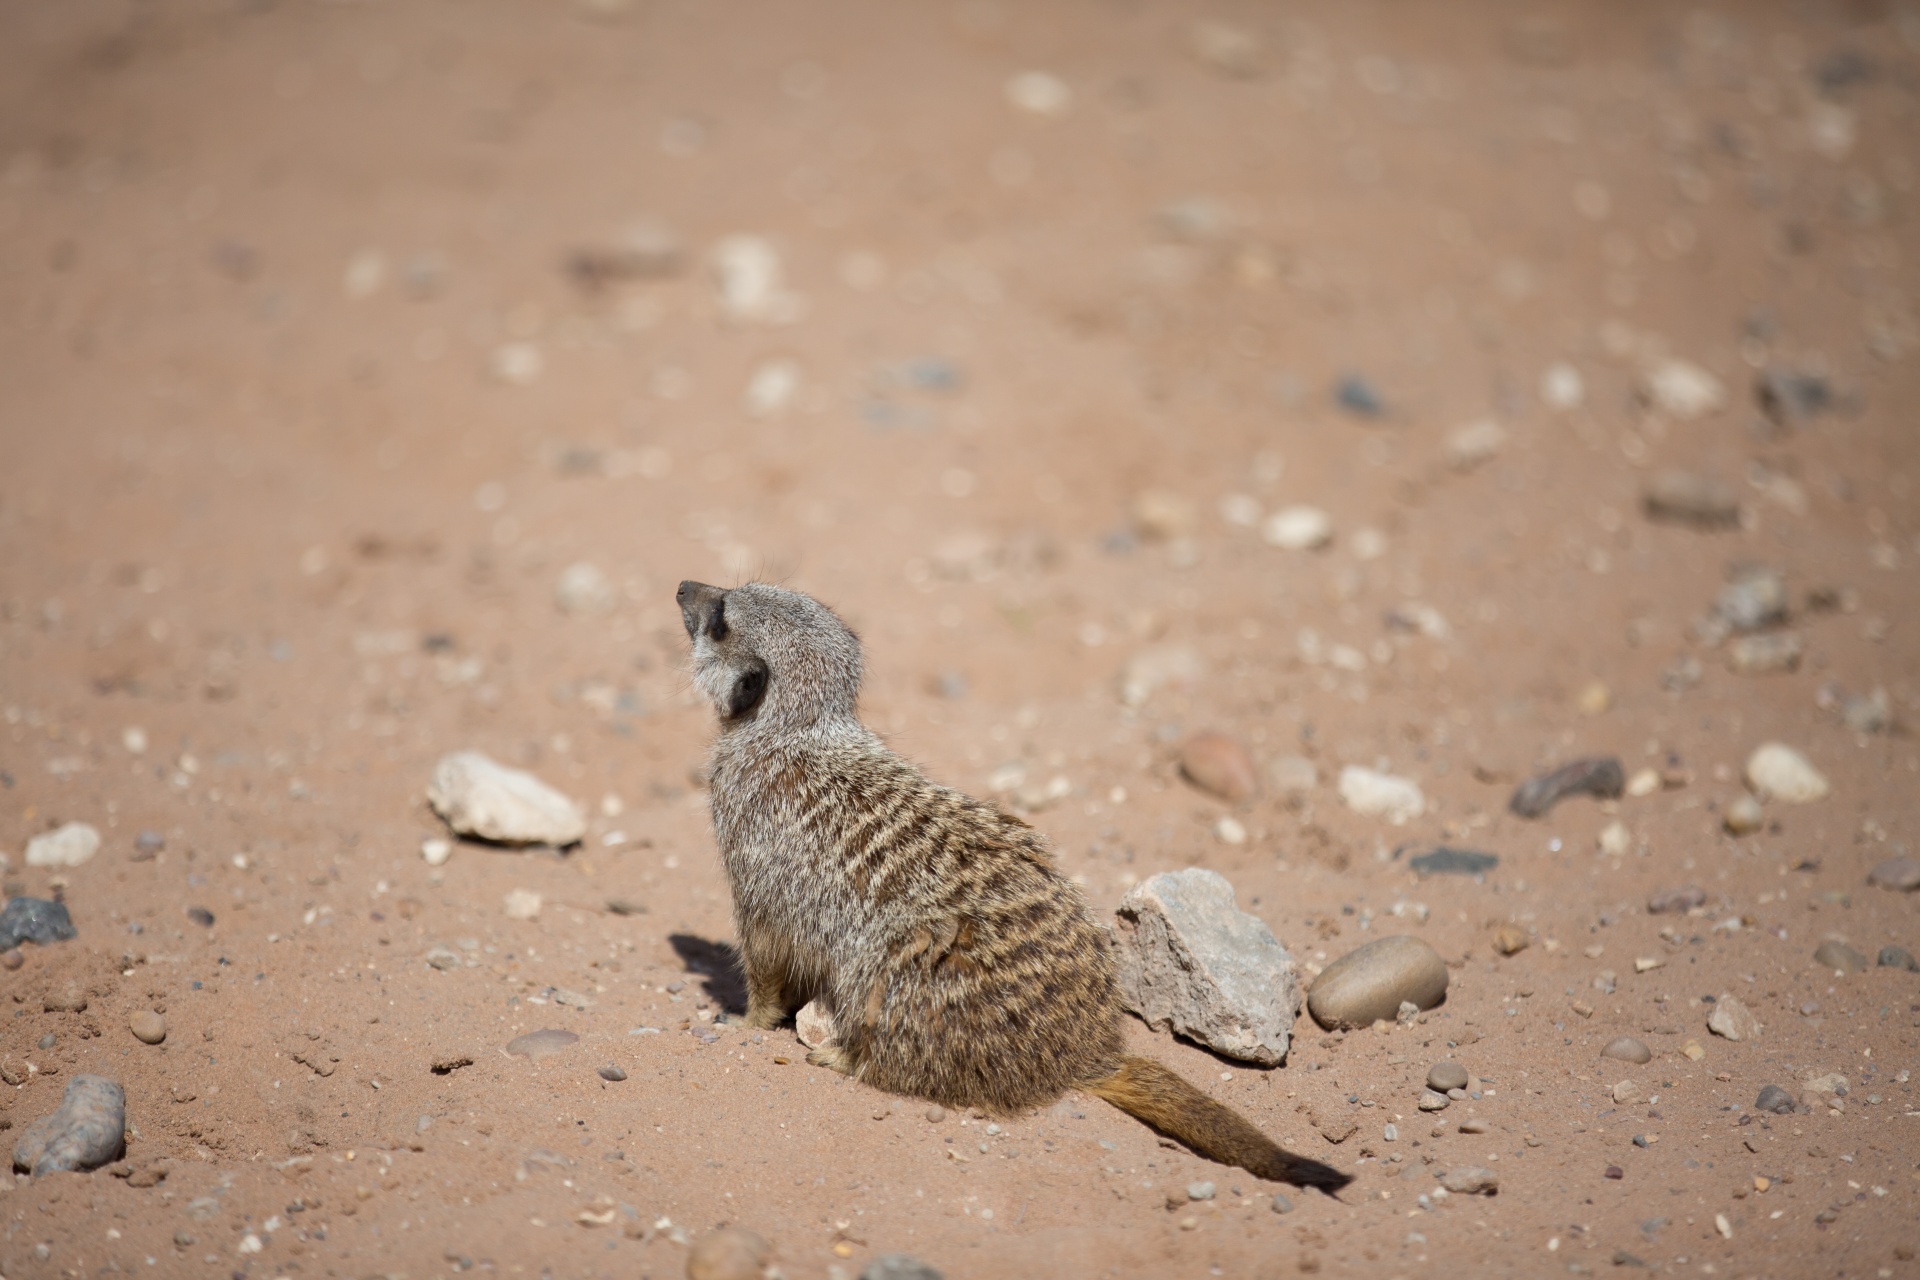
[(717, 624)]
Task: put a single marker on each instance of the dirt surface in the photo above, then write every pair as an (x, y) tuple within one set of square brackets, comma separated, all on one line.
[(327, 347)]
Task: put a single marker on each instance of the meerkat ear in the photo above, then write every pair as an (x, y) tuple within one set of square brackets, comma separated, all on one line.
[(748, 689)]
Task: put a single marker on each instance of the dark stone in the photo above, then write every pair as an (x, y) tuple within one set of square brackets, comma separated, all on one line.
[(1774, 1099), (1898, 958), (1791, 398), (1443, 861), (200, 916), (1685, 898), (1599, 776), (34, 920), (1357, 395), (898, 1266), (612, 1074)]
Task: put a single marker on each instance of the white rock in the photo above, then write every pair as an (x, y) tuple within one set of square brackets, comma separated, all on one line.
[(1298, 528), (478, 796), (1152, 670), (772, 387), (67, 846), (523, 904), (752, 282), (1616, 840), (1682, 389), (1230, 830), (1733, 1020), (1381, 795), (584, 589), (1561, 387), (1040, 93), (1189, 958), (1475, 443), (436, 851), (1778, 771), (813, 1025), (519, 363)]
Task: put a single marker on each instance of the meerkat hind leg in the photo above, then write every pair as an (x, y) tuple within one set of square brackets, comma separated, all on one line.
[(770, 997), (833, 1057)]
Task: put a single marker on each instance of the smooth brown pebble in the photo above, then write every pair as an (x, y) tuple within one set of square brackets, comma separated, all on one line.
[(936, 1114), (148, 1027), (731, 1253), (1510, 939), (1840, 957), (1369, 984), (1902, 874), (12, 958), (1443, 1076), (1627, 1049), (71, 1000), (1219, 766)]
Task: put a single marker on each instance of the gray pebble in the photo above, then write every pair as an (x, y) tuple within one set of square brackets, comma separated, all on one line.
[(1369, 984), (200, 916), (88, 1130), (1471, 1181), (612, 1073), (183, 1237), (1199, 1191), (1442, 1076), (1898, 958), (898, 1266), (1600, 776), (443, 958), (1281, 1204), (1755, 599), (1627, 1049), (1444, 860), (1840, 957), (1896, 873), (1791, 397), (34, 920), (1689, 497), (1357, 395), (1685, 898), (1774, 1099)]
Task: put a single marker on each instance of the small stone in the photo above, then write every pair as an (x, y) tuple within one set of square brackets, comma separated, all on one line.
[(1433, 1100), (522, 904), (1838, 956), (1298, 528), (1039, 93), (752, 282), (1445, 1075), (1792, 398), (1357, 395), (443, 958), (1473, 1126), (1902, 874), (1628, 1049), (35, 920), (585, 591), (481, 798), (813, 1025), (1199, 1191), (1594, 698), (1616, 1173), (1281, 1204), (535, 1045), (1778, 771), (1471, 1181), (67, 846), (1898, 958), (1474, 443), (147, 1026), (1754, 599), (1160, 516), (611, 1073), (1774, 1099), (183, 1238), (1189, 958), (1688, 497), (11, 958), (1227, 49), (936, 1114), (1615, 840), (1681, 389), (1230, 830), (1867, 712), (200, 916), (518, 364), (1381, 795), (730, 1253), (1367, 984), (1599, 776), (1743, 816), (436, 851), (1732, 1020), (1625, 1092), (1151, 670), (69, 999), (898, 1266), (1693, 1051), (1643, 783), (1769, 654), (1510, 940), (1561, 387), (1445, 860), (1219, 765), (1673, 901), (88, 1130)]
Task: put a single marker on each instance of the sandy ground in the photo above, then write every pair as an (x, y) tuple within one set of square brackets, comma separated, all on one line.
[(327, 346)]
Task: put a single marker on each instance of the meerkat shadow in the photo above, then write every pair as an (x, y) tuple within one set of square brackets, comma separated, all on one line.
[(718, 964)]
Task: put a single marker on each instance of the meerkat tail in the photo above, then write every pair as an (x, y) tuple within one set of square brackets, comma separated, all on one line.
[(1152, 1093)]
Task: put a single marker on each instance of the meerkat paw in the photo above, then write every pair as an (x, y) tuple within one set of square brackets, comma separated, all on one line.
[(833, 1057), (764, 1017)]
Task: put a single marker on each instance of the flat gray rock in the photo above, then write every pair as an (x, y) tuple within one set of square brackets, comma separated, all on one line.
[(1190, 959), (88, 1129), (480, 797), (1733, 1020), (1368, 985), (1902, 874), (1838, 956), (34, 920)]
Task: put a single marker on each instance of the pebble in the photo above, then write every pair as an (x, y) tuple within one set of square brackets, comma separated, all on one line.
[(1838, 956), (1357, 395), (200, 916), (1510, 940), (1778, 771), (1895, 873), (1039, 93), (1769, 654), (147, 1026), (1681, 389), (522, 904), (751, 281), (1189, 958), (69, 999), (1671, 901), (584, 590), (1219, 765), (1792, 397), (66, 846), (936, 1114), (436, 851), (1381, 795), (443, 958), (1161, 516), (1151, 670), (813, 1025), (1474, 443), (1624, 1092), (87, 1130), (1445, 1075), (729, 1253), (1774, 1099), (535, 1045), (1433, 1100), (1600, 776), (1628, 1049), (1473, 1126), (611, 1073), (1229, 50), (34, 920), (1689, 497), (1615, 840), (1755, 599), (1446, 860), (1298, 528), (1369, 984), (1561, 387), (479, 797), (1744, 816), (1199, 1191), (1281, 1204), (11, 958), (1867, 712), (147, 844), (1594, 699), (898, 1266), (1471, 1181), (1732, 1020), (1898, 958)]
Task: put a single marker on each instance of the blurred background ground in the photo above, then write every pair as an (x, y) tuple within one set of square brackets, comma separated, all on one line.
[(370, 373)]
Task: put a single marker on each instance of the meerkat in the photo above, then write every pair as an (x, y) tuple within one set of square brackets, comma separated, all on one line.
[(955, 960)]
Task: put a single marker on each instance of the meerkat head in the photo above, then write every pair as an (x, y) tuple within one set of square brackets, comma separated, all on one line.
[(763, 652)]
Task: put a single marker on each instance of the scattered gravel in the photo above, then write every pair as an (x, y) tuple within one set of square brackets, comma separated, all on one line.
[(1773, 653), (1298, 528), (1681, 389), (1744, 816), (611, 1073), (1778, 772), (1369, 984), (1600, 776), (1754, 599), (1200, 1191)]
